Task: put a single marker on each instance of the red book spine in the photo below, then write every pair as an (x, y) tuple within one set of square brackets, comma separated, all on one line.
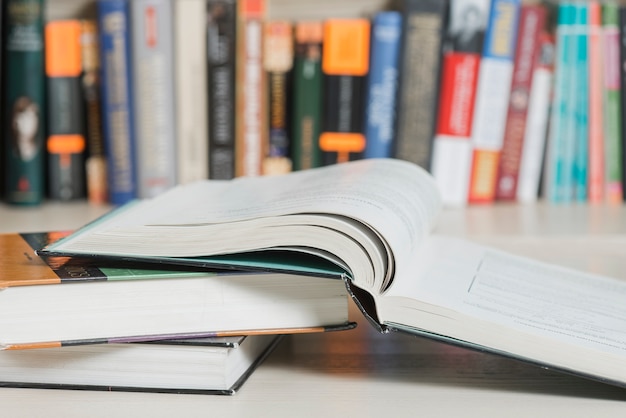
[(532, 22), (458, 91)]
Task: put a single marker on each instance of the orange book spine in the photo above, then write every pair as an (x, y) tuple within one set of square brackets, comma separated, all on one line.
[(251, 125), (345, 63), (66, 139)]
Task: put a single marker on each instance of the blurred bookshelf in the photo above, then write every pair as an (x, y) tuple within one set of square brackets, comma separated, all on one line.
[(323, 10)]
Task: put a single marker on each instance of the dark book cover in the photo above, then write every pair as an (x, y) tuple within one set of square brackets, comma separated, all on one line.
[(65, 139), (24, 105), (424, 23), (278, 63), (117, 96), (307, 95), (95, 159), (382, 85), (221, 44), (345, 64)]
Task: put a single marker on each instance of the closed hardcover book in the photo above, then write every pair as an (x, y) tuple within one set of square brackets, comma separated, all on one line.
[(278, 63), (221, 18), (24, 106), (192, 112), (612, 91), (345, 64), (492, 98), (153, 81), (452, 150), (208, 366), (251, 133), (60, 301), (95, 159), (382, 85), (65, 141), (307, 95), (117, 99), (424, 25), (531, 26)]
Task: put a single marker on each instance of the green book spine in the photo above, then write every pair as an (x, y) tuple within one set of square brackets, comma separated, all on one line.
[(24, 102), (612, 105), (307, 96)]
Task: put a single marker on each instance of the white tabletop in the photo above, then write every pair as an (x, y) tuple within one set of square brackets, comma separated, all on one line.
[(362, 373)]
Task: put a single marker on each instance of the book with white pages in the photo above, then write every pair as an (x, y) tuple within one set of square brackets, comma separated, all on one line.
[(374, 219)]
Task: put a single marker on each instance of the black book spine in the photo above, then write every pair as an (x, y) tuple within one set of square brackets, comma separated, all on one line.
[(66, 137), (424, 23), (343, 112), (221, 32)]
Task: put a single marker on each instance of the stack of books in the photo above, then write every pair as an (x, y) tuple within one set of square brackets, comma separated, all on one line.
[(276, 255), (74, 322)]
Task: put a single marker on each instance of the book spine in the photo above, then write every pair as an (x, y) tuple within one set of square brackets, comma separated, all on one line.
[(612, 111), (117, 98), (382, 85), (558, 167), (153, 80), (24, 108), (424, 22), (65, 141), (95, 160), (531, 26), (190, 49), (2, 99), (580, 78), (345, 63), (622, 30), (307, 95), (221, 44), (596, 117), (278, 63), (251, 135), (537, 122), (492, 97), (452, 149)]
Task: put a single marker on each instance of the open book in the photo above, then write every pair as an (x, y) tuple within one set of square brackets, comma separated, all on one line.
[(373, 219)]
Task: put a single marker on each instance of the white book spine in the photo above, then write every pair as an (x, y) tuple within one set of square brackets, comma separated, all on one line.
[(192, 113), (153, 78), (535, 136)]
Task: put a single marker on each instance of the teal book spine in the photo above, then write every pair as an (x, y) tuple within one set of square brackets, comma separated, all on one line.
[(580, 78), (24, 105), (558, 176)]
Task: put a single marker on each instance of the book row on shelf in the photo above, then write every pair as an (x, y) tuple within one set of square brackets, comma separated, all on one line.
[(501, 100)]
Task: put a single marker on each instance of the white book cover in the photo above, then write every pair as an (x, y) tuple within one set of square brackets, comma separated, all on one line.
[(153, 78), (192, 109)]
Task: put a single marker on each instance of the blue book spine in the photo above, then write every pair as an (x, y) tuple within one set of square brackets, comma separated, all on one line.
[(117, 109), (580, 72), (382, 85)]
